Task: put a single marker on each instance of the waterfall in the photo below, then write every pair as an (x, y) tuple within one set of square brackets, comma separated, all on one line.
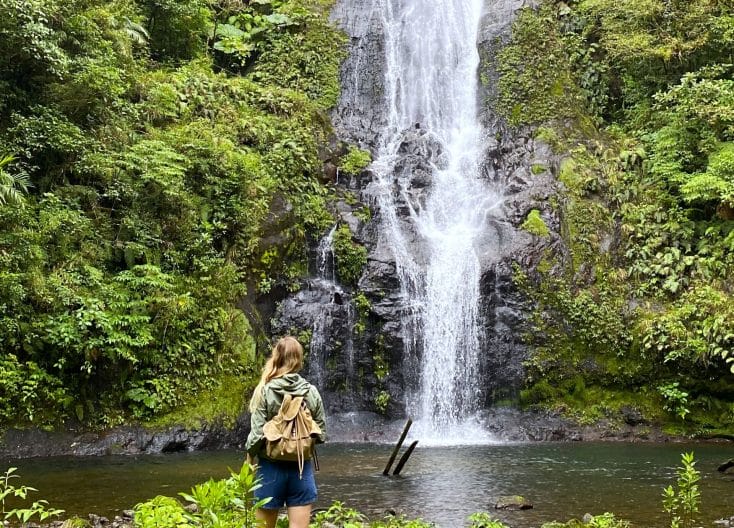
[(431, 85), (325, 257), (320, 349)]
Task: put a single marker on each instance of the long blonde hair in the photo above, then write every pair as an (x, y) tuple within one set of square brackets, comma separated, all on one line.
[(287, 357)]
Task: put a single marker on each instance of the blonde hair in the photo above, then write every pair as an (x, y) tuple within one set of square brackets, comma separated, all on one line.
[(287, 357)]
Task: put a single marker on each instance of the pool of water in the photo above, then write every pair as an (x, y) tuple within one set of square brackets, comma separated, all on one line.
[(443, 485)]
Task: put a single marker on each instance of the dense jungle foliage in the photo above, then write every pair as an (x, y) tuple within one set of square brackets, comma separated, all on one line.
[(637, 98), (159, 159)]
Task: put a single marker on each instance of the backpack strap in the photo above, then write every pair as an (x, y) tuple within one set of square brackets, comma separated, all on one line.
[(315, 458), (300, 429)]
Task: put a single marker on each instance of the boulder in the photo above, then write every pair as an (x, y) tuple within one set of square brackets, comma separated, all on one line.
[(632, 416), (727, 467), (513, 502)]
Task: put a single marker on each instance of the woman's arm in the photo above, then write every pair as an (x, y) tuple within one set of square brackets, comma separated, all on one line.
[(257, 421), (316, 406)]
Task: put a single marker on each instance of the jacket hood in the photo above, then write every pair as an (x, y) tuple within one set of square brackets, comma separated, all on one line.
[(292, 384)]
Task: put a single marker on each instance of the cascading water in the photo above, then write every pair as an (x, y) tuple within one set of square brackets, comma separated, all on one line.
[(325, 280), (336, 308), (431, 93)]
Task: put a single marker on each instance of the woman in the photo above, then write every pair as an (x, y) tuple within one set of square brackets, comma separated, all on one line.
[(281, 480)]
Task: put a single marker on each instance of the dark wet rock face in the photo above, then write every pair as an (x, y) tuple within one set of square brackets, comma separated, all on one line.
[(356, 357), (362, 73)]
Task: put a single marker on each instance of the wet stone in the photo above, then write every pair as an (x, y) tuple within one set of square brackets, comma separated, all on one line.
[(513, 502)]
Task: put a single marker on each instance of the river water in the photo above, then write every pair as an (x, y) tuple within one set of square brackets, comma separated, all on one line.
[(443, 485)]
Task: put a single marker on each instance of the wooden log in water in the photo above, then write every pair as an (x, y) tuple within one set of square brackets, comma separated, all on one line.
[(397, 447), (404, 458)]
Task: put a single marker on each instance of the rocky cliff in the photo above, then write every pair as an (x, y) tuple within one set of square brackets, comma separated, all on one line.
[(359, 354)]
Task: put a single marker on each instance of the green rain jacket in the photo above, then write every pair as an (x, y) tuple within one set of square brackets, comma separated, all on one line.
[(273, 393)]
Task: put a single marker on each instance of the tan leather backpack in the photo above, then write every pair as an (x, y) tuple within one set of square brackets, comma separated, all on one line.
[(291, 434)]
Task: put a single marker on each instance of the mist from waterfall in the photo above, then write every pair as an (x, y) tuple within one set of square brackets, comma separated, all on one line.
[(431, 90)]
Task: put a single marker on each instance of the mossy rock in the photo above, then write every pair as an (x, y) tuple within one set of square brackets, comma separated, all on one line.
[(535, 225), (513, 502)]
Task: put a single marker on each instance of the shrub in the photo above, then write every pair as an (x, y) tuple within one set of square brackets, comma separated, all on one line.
[(683, 503), (351, 257)]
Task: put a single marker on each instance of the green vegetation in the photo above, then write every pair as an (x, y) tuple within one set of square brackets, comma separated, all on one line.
[(637, 98), (535, 225), (159, 161), (484, 520), (340, 515), (605, 520), (351, 257), (363, 307), (381, 370), (683, 503), (39, 509), (536, 87), (219, 503), (12, 186), (161, 511), (221, 404), (169, 513), (355, 161), (382, 400)]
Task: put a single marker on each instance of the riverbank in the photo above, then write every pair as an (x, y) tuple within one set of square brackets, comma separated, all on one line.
[(501, 425), (95, 521), (124, 440)]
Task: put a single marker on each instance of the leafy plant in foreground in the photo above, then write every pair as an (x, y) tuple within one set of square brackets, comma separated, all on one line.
[(605, 520), (161, 512), (684, 502), (484, 520), (338, 514), (232, 498), (401, 522), (219, 504), (38, 508)]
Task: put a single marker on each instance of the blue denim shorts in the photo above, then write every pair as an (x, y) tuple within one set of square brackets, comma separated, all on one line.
[(280, 482)]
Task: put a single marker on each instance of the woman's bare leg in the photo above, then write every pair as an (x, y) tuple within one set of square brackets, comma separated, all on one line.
[(268, 516), (299, 516)]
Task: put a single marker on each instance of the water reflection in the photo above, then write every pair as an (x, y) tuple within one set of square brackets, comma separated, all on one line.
[(444, 485)]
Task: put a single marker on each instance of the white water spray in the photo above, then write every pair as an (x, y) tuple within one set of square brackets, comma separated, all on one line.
[(319, 348), (431, 94)]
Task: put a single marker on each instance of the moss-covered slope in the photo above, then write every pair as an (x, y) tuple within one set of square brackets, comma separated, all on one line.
[(161, 160), (638, 101)]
